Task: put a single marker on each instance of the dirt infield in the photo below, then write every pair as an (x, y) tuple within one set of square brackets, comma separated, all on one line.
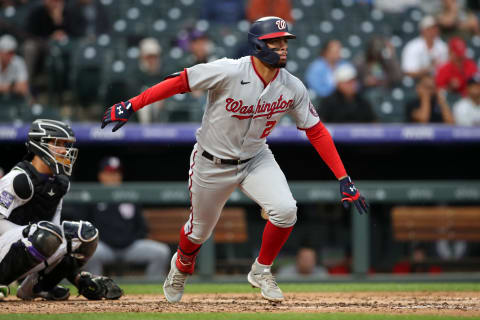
[(443, 303)]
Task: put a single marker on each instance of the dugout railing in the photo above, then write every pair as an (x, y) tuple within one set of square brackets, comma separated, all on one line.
[(399, 192)]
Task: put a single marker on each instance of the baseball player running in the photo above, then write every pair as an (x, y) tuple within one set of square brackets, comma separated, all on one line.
[(34, 245), (246, 99)]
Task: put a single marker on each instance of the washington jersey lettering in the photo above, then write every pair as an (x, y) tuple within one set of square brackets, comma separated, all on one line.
[(242, 110)]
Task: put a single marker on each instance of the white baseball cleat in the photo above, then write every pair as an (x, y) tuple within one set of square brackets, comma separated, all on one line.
[(4, 292), (175, 282), (261, 277)]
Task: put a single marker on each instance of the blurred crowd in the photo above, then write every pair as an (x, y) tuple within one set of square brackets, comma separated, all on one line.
[(69, 59)]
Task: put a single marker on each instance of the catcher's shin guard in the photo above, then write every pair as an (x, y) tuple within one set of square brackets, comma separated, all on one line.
[(43, 240)]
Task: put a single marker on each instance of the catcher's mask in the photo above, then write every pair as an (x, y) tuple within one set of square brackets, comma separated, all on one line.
[(263, 29), (53, 142)]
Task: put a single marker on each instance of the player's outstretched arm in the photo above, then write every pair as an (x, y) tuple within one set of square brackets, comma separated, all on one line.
[(120, 112), (321, 139)]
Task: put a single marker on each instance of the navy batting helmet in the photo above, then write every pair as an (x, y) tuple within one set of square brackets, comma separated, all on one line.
[(263, 29)]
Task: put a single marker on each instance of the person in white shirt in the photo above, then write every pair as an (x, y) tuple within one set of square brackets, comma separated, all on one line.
[(424, 54), (13, 71), (467, 110)]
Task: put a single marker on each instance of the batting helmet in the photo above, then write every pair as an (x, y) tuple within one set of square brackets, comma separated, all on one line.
[(53, 142), (263, 29)]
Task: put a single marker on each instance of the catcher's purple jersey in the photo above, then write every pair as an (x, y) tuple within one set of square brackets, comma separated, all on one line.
[(242, 110)]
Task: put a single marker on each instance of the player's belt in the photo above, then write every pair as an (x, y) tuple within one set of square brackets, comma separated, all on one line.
[(223, 161)]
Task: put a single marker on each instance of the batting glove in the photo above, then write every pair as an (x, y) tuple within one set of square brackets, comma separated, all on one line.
[(349, 194), (119, 112)]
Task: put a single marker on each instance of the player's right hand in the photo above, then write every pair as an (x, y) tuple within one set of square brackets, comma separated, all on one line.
[(119, 113)]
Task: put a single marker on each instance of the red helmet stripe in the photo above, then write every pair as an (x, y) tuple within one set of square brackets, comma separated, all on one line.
[(277, 35)]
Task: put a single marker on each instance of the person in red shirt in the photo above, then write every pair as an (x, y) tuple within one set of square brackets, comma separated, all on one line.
[(454, 74)]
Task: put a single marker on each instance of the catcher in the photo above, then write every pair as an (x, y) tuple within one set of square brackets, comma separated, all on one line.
[(34, 245)]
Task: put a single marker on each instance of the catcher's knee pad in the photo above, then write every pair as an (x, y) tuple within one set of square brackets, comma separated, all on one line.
[(82, 239), (284, 214), (40, 242), (45, 238)]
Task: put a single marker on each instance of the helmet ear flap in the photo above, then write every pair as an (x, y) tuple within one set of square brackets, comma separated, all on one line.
[(262, 51)]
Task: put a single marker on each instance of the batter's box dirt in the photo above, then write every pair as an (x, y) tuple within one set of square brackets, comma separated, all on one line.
[(442, 303)]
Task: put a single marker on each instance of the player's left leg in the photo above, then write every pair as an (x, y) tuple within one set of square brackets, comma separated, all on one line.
[(266, 184), (210, 187)]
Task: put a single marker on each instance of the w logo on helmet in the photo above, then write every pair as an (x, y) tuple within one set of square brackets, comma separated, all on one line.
[(281, 24)]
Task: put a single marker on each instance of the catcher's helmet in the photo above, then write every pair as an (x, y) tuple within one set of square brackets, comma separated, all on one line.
[(53, 142), (263, 29)]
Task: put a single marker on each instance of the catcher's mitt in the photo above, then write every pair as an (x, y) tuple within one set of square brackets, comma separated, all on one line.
[(98, 287)]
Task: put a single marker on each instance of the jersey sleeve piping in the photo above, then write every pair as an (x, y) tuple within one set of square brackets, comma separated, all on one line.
[(187, 83), (304, 129)]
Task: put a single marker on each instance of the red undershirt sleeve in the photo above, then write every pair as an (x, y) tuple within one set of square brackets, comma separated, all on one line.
[(322, 141), (162, 90)]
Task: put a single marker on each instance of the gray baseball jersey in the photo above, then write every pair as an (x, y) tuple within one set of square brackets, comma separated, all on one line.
[(242, 110)]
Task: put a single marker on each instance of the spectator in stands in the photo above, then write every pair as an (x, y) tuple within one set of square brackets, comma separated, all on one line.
[(379, 65), (454, 74), (223, 11), (201, 49), (148, 73), (345, 104), (264, 8), (422, 55), (417, 263), (305, 264), (430, 105), (467, 111), (50, 21), (123, 231), (454, 19), (198, 45), (92, 16), (319, 74), (13, 71)]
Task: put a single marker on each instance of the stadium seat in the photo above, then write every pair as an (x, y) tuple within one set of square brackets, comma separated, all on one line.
[(182, 108), (89, 61), (388, 105), (16, 16), (10, 111)]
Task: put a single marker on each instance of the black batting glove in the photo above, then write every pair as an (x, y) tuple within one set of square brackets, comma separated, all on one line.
[(350, 194), (119, 113)]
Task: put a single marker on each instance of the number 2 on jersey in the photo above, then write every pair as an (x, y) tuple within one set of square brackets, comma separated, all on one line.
[(270, 125)]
